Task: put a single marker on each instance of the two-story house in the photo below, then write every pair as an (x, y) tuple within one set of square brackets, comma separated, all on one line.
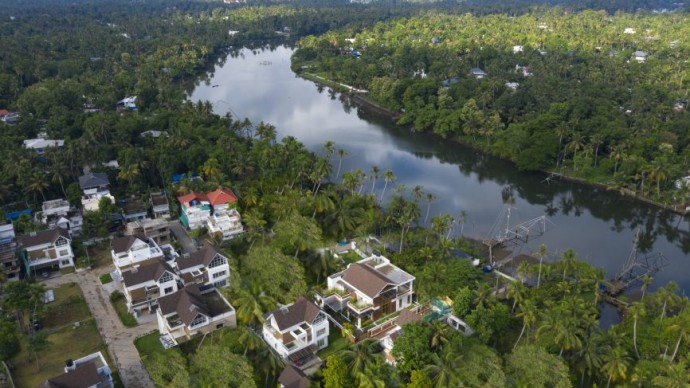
[(190, 311), (46, 251), (128, 251), (133, 209), (207, 267), (157, 229), (9, 263), (95, 186), (159, 205), (60, 213), (144, 284), (196, 208), (225, 223), (296, 331), (368, 290)]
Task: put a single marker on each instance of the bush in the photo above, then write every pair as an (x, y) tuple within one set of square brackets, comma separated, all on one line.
[(118, 301), (106, 278), (115, 296)]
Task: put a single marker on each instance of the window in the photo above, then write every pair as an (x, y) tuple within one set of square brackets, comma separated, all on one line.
[(408, 299), (167, 277), (320, 332), (63, 252), (217, 261), (219, 326), (221, 283), (219, 274), (66, 262), (60, 242), (198, 320), (167, 290), (321, 343), (400, 303)]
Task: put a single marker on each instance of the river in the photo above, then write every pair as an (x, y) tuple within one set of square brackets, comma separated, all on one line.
[(598, 225)]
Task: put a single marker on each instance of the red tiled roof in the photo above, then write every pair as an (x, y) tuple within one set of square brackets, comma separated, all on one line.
[(186, 199), (4, 112), (221, 196)]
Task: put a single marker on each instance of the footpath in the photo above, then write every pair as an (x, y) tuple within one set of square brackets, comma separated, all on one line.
[(118, 338)]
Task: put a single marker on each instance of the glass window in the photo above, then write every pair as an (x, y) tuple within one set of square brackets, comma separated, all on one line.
[(219, 274), (198, 320), (320, 332), (167, 277), (217, 261)]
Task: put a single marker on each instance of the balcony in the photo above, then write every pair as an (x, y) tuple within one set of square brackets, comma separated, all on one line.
[(338, 293), (359, 307)]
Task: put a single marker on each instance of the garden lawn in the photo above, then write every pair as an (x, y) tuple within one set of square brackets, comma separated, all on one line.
[(336, 343), (65, 343), (148, 345), (69, 307), (120, 305)]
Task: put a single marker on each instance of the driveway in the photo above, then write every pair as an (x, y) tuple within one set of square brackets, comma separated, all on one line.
[(188, 245), (118, 338)]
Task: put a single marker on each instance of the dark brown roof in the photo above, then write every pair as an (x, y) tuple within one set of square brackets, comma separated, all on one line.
[(187, 303), (45, 237), (303, 310), (122, 244), (201, 257), (86, 375), (159, 199), (292, 377), (365, 279), (149, 270)]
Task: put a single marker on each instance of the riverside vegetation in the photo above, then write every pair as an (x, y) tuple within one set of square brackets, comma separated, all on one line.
[(544, 332)]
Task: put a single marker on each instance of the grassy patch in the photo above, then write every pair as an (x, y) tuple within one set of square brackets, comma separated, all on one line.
[(148, 345), (69, 306), (106, 278), (99, 254), (67, 270), (65, 343), (336, 343), (120, 304)]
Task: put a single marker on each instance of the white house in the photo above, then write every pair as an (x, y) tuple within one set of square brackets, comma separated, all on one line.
[(144, 284), (60, 213), (131, 250), (91, 371), (296, 331), (95, 186), (640, 56), (197, 208), (225, 223), (190, 311), (46, 251), (39, 145), (207, 267), (477, 73), (368, 290)]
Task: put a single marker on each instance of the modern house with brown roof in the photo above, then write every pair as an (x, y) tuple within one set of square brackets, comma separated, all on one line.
[(132, 250), (91, 371), (296, 331), (49, 250), (207, 267), (368, 290), (292, 377), (189, 311), (144, 284)]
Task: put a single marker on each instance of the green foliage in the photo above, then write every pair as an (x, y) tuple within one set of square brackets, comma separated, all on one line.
[(9, 340), (105, 279), (419, 379), (169, 370), (281, 276), (117, 299), (441, 278), (533, 366), (412, 349), (489, 322), (234, 371), (462, 302), (335, 374)]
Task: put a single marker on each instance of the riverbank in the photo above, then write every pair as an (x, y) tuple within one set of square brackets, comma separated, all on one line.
[(371, 106)]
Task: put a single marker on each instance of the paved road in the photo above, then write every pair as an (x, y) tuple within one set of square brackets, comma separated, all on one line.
[(118, 338), (182, 237)]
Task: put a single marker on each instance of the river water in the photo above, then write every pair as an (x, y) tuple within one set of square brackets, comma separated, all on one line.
[(598, 225)]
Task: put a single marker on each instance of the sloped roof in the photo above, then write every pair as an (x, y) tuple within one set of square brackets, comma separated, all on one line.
[(366, 279), (44, 237), (42, 143), (187, 303), (221, 196), (146, 272), (187, 198), (292, 377), (122, 244), (303, 310), (201, 257), (94, 179), (85, 375)]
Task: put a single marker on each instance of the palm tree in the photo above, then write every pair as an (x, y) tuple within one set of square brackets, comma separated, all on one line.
[(568, 261), (439, 335), (129, 173), (341, 155), (676, 376), (443, 369), (681, 326), (251, 302), (616, 363), (361, 355), (329, 149), (591, 355), (269, 364), (517, 292), (250, 340), (37, 184), (637, 310), (646, 281), (374, 174), (528, 313), (430, 197), (388, 177), (541, 253)]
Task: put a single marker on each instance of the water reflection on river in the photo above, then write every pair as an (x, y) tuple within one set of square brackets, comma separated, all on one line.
[(598, 224)]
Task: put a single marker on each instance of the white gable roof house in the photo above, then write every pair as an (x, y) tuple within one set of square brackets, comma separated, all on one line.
[(47, 250), (207, 266), (90, 371), (60, 213), (296, 331), (39, 145), (131, 250), (145, 283), (189, 311)]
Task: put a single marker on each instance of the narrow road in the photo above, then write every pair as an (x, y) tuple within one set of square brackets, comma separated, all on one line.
[(176, 228), (118, 338)]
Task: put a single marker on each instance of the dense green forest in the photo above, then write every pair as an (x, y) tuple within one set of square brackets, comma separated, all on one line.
[(560, 92), (546, 332)]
